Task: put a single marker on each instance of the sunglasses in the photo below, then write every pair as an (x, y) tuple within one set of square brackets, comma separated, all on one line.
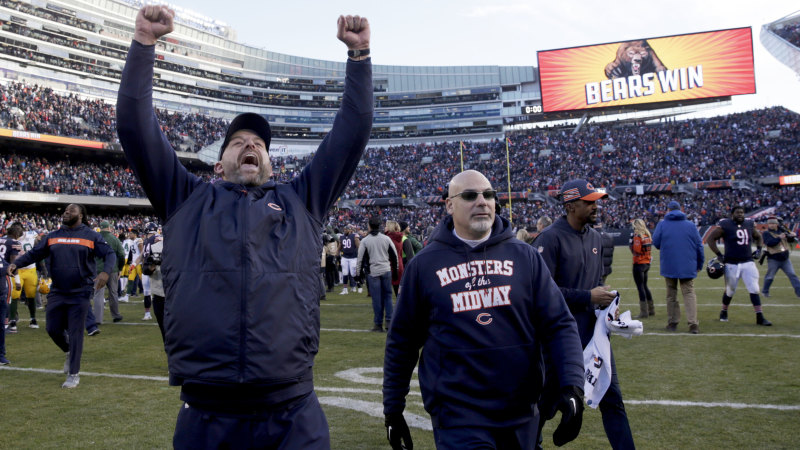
[(471, 196)]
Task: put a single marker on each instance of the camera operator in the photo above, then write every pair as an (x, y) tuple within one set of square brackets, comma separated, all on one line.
[(777, 238), (151, 266)]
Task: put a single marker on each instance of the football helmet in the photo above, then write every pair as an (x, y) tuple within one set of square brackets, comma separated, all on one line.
[(44, 286), (715, 268)]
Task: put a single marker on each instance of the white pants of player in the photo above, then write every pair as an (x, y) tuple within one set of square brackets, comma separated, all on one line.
[(747, 271), (146, 284), (349, 268)]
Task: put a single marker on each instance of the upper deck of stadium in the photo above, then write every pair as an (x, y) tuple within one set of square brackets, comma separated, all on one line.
[(79, 46)]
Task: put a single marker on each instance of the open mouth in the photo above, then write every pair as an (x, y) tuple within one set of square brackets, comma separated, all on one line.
[(249, 159)]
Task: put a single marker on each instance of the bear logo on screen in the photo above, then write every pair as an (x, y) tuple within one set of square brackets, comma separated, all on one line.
[(634, 58)]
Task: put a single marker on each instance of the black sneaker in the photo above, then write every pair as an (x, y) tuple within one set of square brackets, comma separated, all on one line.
[(94, 332), (378, 328), (672, 327), (723, 316), (118, 319), (760, 320)]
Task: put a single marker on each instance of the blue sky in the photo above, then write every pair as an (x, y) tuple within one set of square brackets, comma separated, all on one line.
[(502, 32)]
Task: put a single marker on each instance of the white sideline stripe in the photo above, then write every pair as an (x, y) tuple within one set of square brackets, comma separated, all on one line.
[(346, 304), (358, 391), (745, 302), (791, 336), (352, 330), (375, 409), (88, 374), (348, 330), (336, 401), (713, 405), (646, 333), (721, 288)]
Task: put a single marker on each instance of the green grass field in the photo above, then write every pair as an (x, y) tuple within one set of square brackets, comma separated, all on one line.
[(735, 385)]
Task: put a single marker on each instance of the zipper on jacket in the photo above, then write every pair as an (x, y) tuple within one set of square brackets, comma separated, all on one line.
[(243, 295)]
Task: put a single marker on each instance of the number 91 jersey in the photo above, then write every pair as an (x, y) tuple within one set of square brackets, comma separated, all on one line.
[(737, 237)]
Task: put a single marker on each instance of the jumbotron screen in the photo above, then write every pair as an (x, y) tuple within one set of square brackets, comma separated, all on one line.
[(673, 68)]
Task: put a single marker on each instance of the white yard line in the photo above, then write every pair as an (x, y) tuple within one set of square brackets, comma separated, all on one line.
[(375, 408)]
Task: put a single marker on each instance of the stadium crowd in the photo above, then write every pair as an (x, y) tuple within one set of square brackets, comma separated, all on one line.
[(63, 176), (39, 109), (743, 146), (790, 32)]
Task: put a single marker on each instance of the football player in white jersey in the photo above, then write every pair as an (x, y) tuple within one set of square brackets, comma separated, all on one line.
[(127, 246), (28, 282)]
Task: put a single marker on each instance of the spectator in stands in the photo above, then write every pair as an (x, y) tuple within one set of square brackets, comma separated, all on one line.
[(263, 393), (681, 258)]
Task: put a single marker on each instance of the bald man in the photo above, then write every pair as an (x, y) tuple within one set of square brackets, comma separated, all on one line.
[(480, 304)]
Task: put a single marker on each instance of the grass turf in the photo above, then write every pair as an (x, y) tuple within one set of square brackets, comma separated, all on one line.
[(732, 386)]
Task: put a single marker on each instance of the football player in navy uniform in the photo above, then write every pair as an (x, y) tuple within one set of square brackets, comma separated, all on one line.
[(738, 234), (348, 249)]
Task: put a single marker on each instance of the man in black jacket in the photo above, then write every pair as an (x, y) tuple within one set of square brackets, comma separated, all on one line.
[(71, 249), (572, 250), (242, 319), (608, 250)]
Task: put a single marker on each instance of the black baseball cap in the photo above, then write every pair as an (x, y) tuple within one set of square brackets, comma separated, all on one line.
[(375, 221), (248, 121), (580, 190)]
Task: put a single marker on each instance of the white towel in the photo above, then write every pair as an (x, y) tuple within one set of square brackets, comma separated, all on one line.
[(597, 354)]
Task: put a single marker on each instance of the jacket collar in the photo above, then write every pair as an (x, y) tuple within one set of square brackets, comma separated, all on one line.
[(501, 231), (257, 191)]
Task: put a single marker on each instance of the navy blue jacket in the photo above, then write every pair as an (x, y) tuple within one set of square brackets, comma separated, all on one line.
[(72, 252), (575, 260), (681, 247), (481, 316), (240, 264)]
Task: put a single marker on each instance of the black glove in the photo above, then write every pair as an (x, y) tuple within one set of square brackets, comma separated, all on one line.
[(571, 407), (757, 254), (397, 432), (721, 258)]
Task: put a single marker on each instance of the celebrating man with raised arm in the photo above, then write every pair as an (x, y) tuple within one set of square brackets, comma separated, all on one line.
[(241, 257)]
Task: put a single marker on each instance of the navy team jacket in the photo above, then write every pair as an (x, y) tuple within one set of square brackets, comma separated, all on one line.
[(241, 264), (575, 260), (71, 252), (481, 316)]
